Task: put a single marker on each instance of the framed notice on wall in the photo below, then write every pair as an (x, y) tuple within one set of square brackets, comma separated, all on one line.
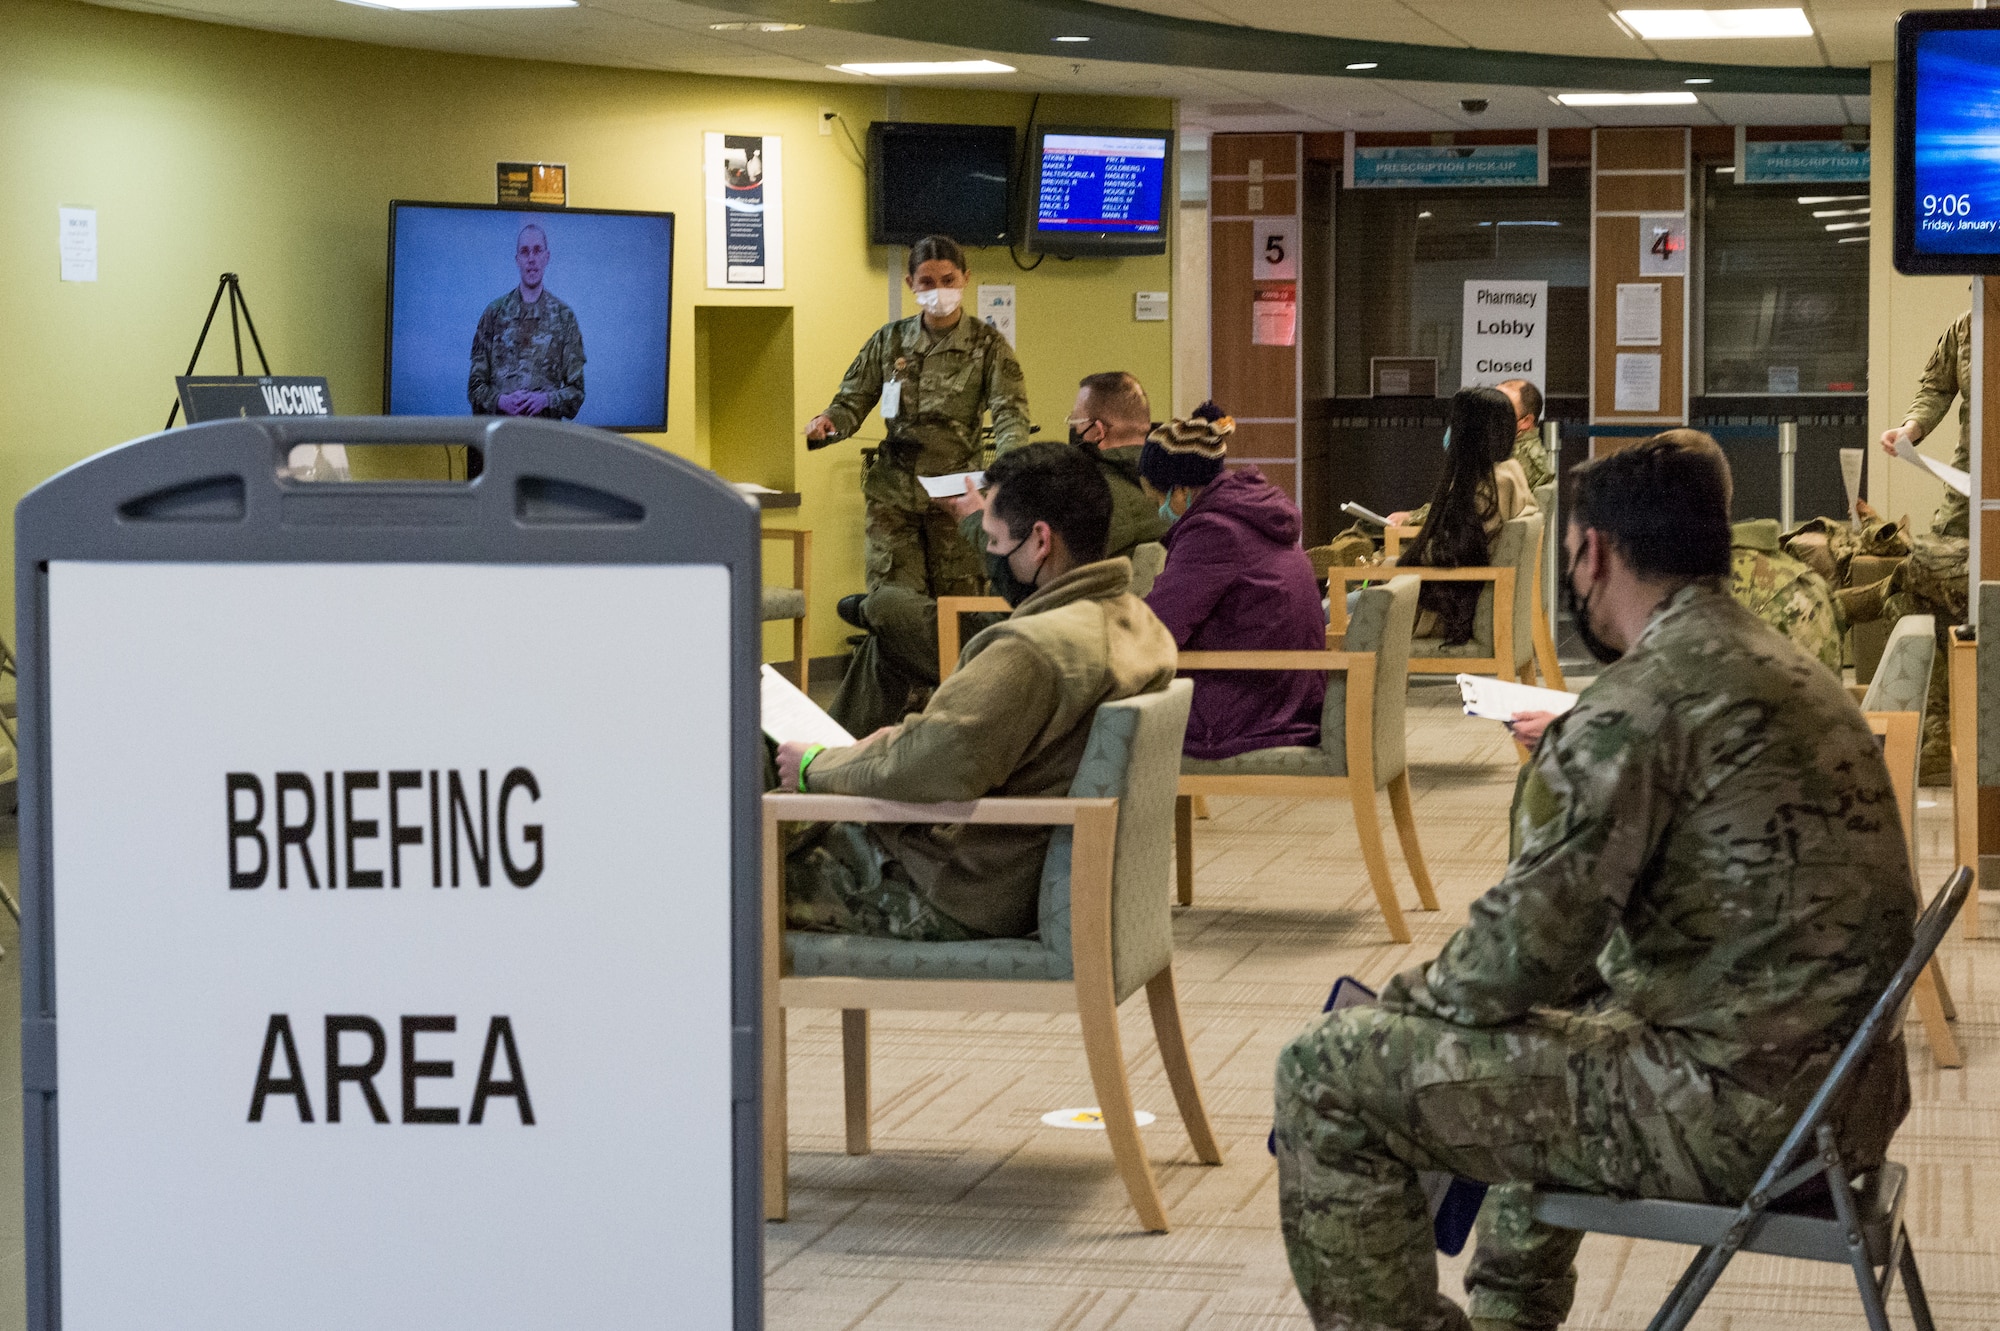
[(1274, 314), (744, 199)]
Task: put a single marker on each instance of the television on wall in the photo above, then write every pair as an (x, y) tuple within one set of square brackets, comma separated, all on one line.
[(561, 313), (1098, 191), (1947, 191), (946, 180)]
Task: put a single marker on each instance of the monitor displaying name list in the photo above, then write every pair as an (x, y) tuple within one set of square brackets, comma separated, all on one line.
[(1102, 182)]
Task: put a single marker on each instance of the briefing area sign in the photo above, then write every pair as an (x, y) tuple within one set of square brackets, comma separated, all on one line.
[(389, 900)]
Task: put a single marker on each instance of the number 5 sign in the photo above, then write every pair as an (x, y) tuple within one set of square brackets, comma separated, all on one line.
[(1275, 250), (1663, 244)]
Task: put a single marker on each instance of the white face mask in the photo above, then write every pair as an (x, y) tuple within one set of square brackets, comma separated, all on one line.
[(940, 300)]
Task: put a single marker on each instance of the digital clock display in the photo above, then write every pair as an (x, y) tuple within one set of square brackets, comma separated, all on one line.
[(1955, 204)]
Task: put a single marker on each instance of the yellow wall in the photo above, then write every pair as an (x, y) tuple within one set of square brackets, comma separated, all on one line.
[(1905, 317), (205, 148)]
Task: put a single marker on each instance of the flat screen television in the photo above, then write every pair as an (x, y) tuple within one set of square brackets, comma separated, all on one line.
[(560, 313), (1098, 191), (1947, 215), (944, 180)]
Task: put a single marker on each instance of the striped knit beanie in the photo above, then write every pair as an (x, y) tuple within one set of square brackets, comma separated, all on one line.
[(1187, 452)]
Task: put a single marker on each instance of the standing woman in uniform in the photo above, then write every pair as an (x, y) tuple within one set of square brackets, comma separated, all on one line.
[(934, 374)]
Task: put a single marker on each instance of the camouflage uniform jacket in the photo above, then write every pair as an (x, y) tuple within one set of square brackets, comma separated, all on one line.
[(1013, 720), (1706, 844), (536, 347), (947, 382), (1135, 519), (1948, 374), (1782, 591), (1532, 452)]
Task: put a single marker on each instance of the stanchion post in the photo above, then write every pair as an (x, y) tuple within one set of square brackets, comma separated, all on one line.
[(1788, 453), (1552, 531)]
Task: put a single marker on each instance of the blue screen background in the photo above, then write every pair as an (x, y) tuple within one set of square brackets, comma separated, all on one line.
[(1958, 141), (615, 273), (1086, 196)]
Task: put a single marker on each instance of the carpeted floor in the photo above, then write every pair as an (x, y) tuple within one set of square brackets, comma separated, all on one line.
[(970, 1213)]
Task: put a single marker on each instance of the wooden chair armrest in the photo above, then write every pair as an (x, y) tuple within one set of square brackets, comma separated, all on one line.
[(949, 608), (1858, 691), (1053, 811), (1479, 573), (1273, 660), (1393, 538)]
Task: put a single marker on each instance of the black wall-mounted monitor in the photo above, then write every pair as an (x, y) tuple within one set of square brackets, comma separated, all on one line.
[(559, 313), (1947, 213), (1098, 191), (944, 180)]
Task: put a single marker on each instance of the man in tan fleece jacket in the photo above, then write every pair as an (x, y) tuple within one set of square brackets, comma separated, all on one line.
[(1013, 720)]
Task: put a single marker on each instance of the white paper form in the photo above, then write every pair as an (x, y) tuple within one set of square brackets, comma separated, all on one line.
[(1638, 382), (78, 243), (952, 486), (789, 715), (1950, 475), (1500, 700), (1638, 314)]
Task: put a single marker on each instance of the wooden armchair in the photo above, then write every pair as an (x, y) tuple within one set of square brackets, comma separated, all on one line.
[(1503, 636), (794, 602), (1361, 748), (1106, 932)]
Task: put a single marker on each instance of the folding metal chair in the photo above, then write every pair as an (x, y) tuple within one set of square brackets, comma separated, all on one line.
[(1859, 1222)]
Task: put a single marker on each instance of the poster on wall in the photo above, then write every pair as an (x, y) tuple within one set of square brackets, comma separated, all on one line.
[(996, 306), (1274, 316), (743, 185), (1504, 333)]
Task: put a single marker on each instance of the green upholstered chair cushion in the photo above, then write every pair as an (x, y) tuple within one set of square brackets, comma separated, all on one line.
[(1133, 756), (1286, 760), (784, 603), (1513, 548), (1903, 678)]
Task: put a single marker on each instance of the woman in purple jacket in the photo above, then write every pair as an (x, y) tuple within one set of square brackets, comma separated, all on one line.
[(1235, 580)]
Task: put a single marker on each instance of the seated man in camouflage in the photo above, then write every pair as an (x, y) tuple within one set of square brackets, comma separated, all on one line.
[(1709, 886), (897, 662), (1013, 720)]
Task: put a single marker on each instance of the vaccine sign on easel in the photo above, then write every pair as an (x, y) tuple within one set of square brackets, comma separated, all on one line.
[(1505, 334), (744, 200)]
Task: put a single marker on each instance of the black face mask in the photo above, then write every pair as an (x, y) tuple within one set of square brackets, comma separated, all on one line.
[(1006, 585), (1077, 440), (1579, 609)]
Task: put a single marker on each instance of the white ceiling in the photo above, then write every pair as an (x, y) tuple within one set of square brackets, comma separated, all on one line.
[(1848, 32), (672, 35)]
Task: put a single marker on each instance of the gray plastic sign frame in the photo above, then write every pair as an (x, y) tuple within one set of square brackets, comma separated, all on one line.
[(550, 494)]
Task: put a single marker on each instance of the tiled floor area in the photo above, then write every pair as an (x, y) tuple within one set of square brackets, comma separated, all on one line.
[(972, 1214)]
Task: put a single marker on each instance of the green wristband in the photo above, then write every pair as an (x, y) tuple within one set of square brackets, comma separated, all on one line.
[(805, 761)]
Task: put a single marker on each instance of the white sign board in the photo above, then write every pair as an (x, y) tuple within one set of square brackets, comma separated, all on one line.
[(1505, 333), (996, 306), (1274, 249), (77, 243), (448, 816), (1663, 244), (1638, 310)]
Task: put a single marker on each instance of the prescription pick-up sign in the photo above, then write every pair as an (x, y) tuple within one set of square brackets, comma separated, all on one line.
[(1505, 334), (393, 903)]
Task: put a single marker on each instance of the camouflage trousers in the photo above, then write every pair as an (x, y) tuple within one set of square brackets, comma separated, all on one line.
[(839, 880), (913, 542), (1932, 581), (897, 663), (1367, 1099)]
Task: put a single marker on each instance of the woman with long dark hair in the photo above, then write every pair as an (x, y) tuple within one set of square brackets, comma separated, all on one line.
[(1483, 488)]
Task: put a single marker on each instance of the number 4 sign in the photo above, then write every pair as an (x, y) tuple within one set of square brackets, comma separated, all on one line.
[(1275, 250), (1663, 244)]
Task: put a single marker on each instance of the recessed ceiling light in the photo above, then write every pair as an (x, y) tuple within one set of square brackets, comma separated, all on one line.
[(1852, 240), (1725, 170), (1363, 64), (1810, 199), (426, 6), (1697, 80), (1845, 226), (1423, 217), (1071, 39), (755, 27), (1841, 212), (901, 68), (1626, 98), (1686, 25)]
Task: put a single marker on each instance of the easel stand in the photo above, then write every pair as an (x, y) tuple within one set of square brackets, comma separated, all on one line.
[(239, 319)]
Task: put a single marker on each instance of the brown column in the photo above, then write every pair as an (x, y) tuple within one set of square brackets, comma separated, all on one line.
[(1253, 177), (1634, 173)]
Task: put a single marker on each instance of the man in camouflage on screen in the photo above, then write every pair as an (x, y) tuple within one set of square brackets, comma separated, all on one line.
[(527, 353), (1709, 886)]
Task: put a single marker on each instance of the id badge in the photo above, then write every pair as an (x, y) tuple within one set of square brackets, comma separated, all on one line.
[(892, 399)]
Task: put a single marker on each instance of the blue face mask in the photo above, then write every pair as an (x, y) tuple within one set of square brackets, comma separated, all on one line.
[(1167, 511), (1447, 438)]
